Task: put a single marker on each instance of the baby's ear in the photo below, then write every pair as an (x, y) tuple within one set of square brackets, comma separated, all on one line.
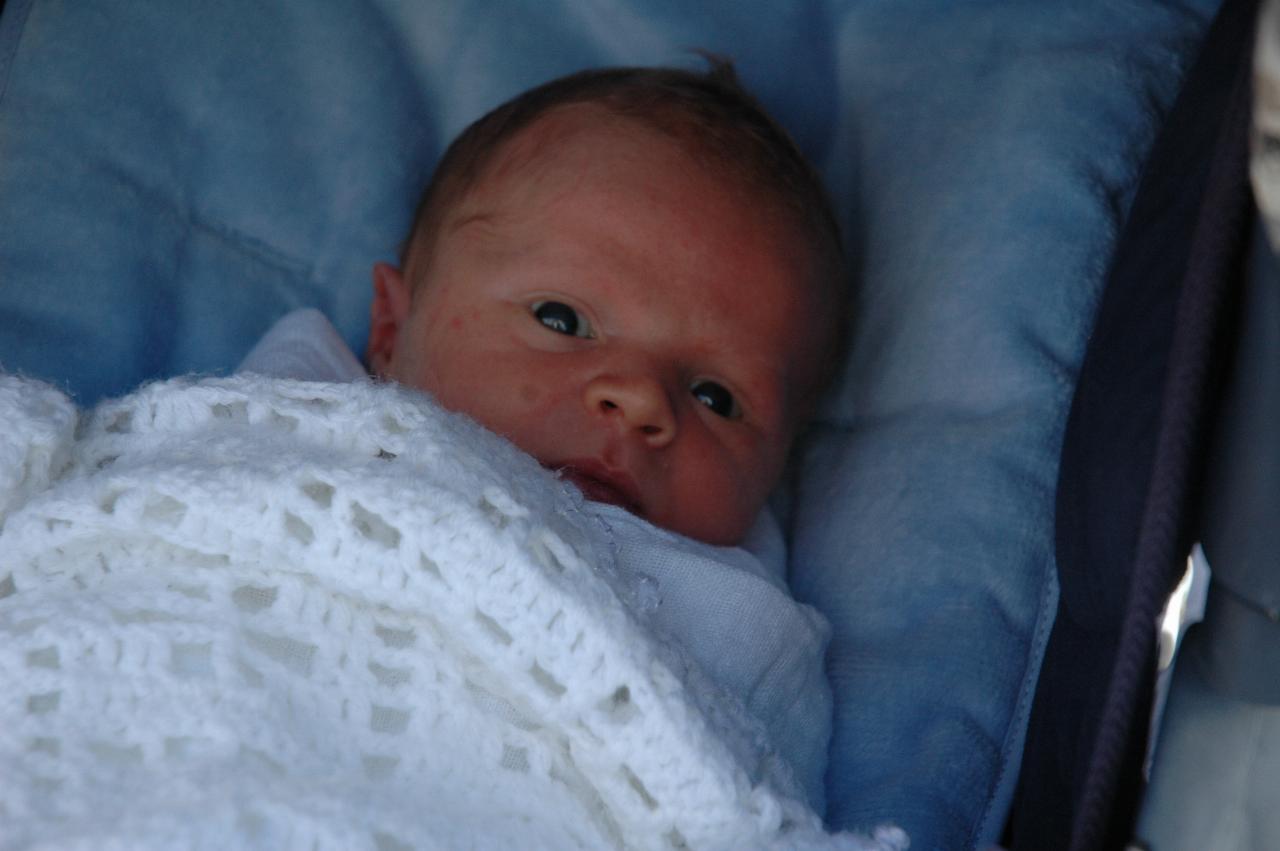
[(386, 317)]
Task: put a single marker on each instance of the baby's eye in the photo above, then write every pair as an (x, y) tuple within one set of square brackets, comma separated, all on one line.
[(718, 399), (562, 318)]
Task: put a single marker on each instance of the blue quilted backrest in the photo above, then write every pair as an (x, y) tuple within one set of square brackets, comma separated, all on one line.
[(175, 177)]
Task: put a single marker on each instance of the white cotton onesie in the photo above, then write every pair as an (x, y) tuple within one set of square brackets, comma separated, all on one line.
[(729, 607)]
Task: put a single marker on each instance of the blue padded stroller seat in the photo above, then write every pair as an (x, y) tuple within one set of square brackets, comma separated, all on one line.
[(173, 180)]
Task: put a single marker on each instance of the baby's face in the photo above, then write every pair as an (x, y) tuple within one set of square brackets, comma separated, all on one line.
[(626, 317)]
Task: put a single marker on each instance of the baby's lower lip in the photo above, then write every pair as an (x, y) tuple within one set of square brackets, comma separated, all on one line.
[(597, 490)]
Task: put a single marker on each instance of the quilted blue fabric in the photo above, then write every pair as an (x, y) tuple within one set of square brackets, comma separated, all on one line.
[(175, 177)]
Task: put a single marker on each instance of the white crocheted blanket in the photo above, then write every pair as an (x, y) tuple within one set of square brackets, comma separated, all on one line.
[(253, 612)]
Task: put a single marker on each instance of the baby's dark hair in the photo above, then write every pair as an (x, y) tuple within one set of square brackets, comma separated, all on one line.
[(710, 114)]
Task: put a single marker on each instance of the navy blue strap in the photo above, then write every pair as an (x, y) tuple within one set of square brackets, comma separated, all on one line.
[(1165, 537)]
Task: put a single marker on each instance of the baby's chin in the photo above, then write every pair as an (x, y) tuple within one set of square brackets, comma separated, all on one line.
[(716, 532)]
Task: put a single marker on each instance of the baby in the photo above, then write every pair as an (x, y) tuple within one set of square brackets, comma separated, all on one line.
[(634, 276)]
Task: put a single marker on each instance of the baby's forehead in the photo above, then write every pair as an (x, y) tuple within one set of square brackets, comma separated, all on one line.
[(585, 132), (556, 149)]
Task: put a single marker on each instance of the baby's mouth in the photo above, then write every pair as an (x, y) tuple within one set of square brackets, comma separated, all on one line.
[(598, 483)]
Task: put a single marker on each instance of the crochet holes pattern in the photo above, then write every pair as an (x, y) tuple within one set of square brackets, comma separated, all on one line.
[(502, 502), (549, 684), (177, 747), (29, 471), (112, 754), (493, 629), (296, 656), (24, 627), (127, 617), (430, 567), (234, 411), (387, 842), (568, 774), (164, 510), (45, 657), (544, 555), (618, 707), (500, 508), (501, 708), (395, 638), (251, 824), (388, 720), (298, 529), (393, 426), (638, 787), (284, 422), (107, 503), (390, 677), (251, 675), (261, 760), (45, 745), (515, 759), (251, 599), (319, 406), (495, 516), (121, 423), (676, 840), (321, 493), (193, 592), (374, 527), (379, 767)]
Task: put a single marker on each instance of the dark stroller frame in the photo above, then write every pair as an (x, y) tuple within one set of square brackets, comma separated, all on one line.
[(1134, 455)]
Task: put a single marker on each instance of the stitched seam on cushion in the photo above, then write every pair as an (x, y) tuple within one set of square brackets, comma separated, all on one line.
[(257, 249), (1016, 731), (11, 27)]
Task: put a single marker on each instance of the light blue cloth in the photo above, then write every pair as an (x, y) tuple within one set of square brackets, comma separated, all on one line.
[(729, 608), (305, 346), (175, 177)]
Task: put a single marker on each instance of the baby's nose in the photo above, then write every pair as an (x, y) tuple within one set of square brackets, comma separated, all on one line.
[(640, 403)]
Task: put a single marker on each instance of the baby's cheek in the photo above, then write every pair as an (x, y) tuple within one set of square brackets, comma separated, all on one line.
[(530, 394)]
